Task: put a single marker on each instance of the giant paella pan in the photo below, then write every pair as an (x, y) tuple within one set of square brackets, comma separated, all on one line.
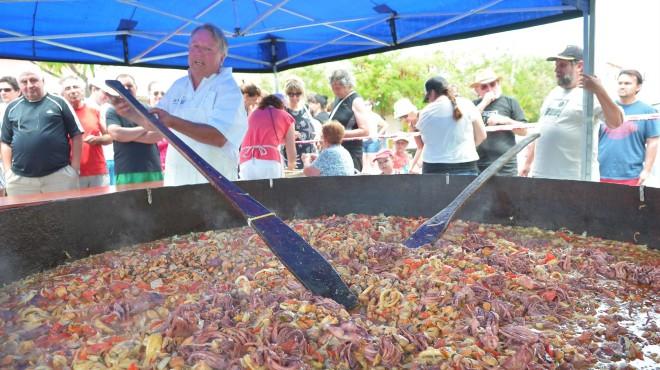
[(535, 274)]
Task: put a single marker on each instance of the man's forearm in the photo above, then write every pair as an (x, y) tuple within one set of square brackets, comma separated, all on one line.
[(149, 137), (126, 134), (199, 131), (75, 152), (611, 111)]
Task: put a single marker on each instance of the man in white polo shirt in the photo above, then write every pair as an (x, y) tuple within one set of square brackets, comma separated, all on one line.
[(205, 109)]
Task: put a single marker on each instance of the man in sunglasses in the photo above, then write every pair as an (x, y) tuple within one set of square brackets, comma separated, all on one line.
[(497, 109)]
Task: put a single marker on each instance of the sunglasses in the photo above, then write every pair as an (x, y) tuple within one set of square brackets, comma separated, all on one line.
[(485, 86), (291, 95), (158, 93), (6, 89)]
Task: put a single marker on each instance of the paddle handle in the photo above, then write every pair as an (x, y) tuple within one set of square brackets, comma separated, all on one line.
[(489, 172)]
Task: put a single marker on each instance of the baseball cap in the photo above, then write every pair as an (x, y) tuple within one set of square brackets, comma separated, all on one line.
[(437, 84), (572, 52)]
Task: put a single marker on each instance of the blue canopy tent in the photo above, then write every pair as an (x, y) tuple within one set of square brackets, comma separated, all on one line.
[(264, 36)]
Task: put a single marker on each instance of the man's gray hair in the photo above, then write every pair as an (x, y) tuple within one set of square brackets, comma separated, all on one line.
[(217, 35), (342, 76)]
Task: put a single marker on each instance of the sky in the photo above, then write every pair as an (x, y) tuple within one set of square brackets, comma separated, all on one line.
[(627, 36)]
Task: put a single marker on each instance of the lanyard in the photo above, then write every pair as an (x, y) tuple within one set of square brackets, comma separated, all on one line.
[(334, 110)]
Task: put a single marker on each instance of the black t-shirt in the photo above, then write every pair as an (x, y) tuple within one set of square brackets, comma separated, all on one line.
[(498, 142), (38, 133), (132, 157)]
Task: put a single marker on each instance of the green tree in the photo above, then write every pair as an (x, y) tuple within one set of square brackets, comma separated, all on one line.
[(55, 69), (385, 78)]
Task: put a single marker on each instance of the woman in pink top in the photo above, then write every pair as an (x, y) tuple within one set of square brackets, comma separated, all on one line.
[(269, 126)]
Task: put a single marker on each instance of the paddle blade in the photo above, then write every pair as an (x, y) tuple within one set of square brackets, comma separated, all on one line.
[(429, 232), (303, 261)]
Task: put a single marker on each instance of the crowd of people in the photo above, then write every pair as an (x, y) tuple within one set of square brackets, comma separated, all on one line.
[(61, 142)]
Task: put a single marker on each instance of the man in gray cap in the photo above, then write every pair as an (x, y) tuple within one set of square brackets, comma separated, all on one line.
[(558, 153)]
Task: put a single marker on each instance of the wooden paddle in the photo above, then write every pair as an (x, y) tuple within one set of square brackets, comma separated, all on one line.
[(304, 262), (434, 227)]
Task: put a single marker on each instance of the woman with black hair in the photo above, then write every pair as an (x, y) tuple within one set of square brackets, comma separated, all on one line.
[(451, 128)]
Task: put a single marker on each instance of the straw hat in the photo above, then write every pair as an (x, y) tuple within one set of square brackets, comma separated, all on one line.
[(484, 76)]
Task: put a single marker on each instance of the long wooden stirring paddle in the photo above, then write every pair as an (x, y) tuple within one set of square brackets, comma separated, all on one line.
[(300, 258)]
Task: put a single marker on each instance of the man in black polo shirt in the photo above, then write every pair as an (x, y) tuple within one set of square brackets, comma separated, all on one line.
[(41, 140)]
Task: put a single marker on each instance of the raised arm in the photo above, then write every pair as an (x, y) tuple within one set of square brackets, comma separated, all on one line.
[(611, 112)]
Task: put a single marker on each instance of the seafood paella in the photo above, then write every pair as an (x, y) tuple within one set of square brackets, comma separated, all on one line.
[(484, 296)]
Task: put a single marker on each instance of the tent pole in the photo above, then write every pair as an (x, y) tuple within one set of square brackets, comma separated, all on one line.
[(589, 23), (275, 82)]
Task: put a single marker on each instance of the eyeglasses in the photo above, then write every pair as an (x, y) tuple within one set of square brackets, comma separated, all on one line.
[(292, 94), (6, 89), (158, 93), (485, 86)]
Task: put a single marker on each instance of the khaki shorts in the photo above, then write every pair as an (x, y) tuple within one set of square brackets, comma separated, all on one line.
[(66, 178), (93, 181)]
